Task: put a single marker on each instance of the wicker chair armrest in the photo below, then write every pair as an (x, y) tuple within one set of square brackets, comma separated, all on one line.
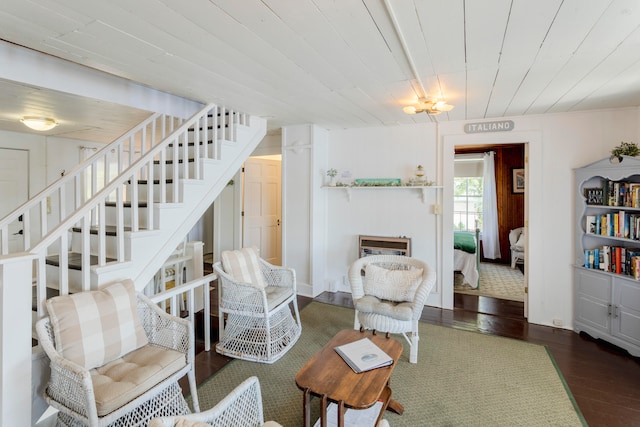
[(423, 291), (165, 330), (70, 384), (239, 296), (276, 275), (355, 278), (243, 406)]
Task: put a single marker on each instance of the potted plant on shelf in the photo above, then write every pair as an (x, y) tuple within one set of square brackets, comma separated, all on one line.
[(331, 173), (625, 149)]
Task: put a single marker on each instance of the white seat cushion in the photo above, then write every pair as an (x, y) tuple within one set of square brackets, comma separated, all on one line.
[(93, 328), (128, 377), (392, 309), (276, 295)]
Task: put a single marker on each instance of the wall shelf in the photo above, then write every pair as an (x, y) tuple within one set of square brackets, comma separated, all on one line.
[(422, 189)]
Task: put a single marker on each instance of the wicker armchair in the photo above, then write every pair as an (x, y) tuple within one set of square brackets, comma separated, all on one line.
[(389, 293), (240, 408), (255, 321), (140, 385)]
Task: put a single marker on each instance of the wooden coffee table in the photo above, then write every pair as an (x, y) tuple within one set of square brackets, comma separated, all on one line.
[(328, 376)]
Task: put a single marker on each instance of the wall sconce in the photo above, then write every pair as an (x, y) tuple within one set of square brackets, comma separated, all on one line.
[(39, 123)]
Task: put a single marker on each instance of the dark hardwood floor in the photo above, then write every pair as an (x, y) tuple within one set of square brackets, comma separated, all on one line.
[(604, 379)]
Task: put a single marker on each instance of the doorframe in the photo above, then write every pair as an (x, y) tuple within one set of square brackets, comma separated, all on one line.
[(532, 208)]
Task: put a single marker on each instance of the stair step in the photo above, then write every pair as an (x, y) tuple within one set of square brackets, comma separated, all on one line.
[(226, 126), (75, 260), (191, 143), (155, 181), (170, 162), (111, 230), (226, 113), (126, 204)]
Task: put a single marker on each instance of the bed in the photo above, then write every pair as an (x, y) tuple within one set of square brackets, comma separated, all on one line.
[(466, 256)]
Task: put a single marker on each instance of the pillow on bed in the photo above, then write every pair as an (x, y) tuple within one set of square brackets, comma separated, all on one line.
[(392, 285)]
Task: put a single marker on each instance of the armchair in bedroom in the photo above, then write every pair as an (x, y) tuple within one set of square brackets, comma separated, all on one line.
[(517, 243)]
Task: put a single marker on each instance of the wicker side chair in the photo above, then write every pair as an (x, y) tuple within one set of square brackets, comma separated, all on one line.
[(240, 408), (255, 321), (140, 385), (389, 293)]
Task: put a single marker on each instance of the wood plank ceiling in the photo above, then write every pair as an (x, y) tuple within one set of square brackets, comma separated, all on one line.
[(349, 63)]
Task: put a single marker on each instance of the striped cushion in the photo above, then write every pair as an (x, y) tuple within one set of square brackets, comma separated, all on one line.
[(93, 328), (244, 266)]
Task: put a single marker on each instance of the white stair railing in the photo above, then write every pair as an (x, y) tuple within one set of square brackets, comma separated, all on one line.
[(47, 209), (191, 150), (165, 163)]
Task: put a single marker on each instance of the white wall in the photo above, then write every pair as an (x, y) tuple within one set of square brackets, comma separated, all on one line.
[(387, 152), (557, 144), (37, 148)]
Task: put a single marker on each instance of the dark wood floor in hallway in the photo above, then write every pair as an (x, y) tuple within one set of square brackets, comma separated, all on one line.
[(604, 380)]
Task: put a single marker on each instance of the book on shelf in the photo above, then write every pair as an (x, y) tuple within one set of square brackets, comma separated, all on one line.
[(625, 194), (591, 224), (363, 355)]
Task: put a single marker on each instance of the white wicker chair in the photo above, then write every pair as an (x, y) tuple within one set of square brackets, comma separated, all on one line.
[(397, 311), (71, 388), (256, 324), (517, 245), (240, 408)]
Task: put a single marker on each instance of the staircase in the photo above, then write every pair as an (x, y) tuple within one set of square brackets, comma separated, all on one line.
[(118, 215)]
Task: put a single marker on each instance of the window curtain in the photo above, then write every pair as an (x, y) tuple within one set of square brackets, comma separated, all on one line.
[(490, 238)]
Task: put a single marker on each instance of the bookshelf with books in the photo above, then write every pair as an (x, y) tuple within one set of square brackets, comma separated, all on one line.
[(607, 261)]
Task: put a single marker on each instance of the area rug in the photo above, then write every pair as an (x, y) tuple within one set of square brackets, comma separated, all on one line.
[(496, 280), (462, 378)]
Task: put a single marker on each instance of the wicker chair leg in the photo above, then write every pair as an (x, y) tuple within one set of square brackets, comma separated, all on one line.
[(194, 390), (413, 354)]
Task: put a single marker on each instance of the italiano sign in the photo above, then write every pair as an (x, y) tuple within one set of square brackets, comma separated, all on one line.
[(501, 126)]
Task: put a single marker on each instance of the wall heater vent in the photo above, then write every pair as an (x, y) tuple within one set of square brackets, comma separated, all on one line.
[(379, 245)]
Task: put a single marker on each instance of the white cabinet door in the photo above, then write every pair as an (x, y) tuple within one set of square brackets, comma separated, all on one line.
[(626, 310), (593, 300)]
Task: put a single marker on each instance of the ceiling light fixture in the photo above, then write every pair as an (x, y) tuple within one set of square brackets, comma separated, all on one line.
[(39, 123), (431, 107)]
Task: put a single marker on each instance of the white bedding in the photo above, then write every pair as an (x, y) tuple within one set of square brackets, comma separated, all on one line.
[(465, 263)]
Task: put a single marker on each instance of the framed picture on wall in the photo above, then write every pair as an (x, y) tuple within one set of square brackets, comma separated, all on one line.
[(517, 185)]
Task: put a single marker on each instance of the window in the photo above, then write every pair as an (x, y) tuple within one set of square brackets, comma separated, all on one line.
[(467, 203)]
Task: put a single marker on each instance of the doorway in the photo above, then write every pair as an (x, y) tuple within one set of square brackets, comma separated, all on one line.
[(532, 142), (496, 276), (262, 206)]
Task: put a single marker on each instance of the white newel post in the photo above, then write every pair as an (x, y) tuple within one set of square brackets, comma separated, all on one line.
[(195, 269), (15, 340)]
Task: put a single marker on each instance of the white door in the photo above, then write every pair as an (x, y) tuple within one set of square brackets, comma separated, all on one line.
[(262, 208), (14, 189)]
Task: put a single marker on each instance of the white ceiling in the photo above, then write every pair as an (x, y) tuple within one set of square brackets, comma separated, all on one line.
[(338, 63)]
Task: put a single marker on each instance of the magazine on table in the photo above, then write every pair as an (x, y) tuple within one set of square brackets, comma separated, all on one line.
[(363, 355)]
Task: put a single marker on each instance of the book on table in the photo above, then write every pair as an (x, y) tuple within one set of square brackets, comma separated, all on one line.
[(363, 355)]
